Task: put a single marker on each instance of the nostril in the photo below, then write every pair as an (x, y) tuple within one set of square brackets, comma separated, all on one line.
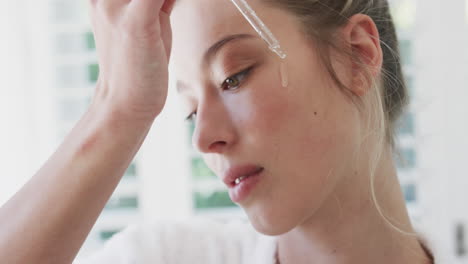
[(217, 146)]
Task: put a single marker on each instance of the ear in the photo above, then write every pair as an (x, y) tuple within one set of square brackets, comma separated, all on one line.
[(362, 37)]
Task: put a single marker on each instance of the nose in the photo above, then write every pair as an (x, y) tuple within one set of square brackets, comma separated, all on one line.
[(214, 129)]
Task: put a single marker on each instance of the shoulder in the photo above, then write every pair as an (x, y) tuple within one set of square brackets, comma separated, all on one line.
[(197, 240)]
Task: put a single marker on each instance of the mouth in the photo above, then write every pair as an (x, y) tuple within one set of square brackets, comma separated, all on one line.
[(237, 175), (242, 178), (241, 181)]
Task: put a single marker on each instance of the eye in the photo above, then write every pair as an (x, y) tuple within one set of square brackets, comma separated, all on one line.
[(191, 117), (236, 80), (231, 83)]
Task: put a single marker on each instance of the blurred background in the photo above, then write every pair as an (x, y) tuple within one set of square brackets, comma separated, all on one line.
[(48, 70)]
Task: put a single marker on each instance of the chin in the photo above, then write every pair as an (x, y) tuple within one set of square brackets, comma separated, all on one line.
[(270, 225)]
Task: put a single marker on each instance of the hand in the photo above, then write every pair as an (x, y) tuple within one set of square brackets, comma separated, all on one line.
[(133, 39)]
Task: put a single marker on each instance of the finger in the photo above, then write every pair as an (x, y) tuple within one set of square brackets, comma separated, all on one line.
[(166, 33), (167, 6), (109, 7), (147, 8)]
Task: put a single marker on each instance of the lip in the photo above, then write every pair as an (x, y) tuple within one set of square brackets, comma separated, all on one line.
[(239, 192), (238, 171)]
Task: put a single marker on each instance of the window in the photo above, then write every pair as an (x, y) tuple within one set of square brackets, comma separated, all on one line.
[(208, 190), (209, 193), (93, 72), (107, 234), (72, 109), (218, 199), (131, 172), (122, 202), (191, 130), (410, 85), (200, 171), (406, 124), (404, 13), (406, 158), (68, 43), (406, 51), (409, 191), (64, 10), (89, 40), (70, 76)]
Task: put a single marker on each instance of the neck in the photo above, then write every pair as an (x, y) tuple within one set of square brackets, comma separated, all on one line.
[(349, 229)]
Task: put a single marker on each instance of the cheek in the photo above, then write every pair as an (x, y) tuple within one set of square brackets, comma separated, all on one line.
[(261, 110), (269, 115), (305, 119), (307, 126)]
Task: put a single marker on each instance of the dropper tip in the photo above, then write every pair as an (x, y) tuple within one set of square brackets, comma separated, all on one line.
[(279, 52)]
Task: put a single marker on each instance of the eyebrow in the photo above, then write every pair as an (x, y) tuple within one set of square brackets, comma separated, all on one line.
[(213, 50)]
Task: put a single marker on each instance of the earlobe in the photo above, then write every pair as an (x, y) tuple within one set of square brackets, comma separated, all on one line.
[(362, 38)]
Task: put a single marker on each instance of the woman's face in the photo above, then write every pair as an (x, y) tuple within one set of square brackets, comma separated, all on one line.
[(301, 138)]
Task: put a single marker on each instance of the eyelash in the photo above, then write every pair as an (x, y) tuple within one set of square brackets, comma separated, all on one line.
[(245, 73), (191, 116)]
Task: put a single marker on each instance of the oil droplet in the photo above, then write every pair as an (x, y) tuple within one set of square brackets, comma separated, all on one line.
[(284, 75)]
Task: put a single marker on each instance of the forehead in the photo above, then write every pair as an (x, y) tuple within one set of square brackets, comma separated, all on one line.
[(207, 19), (198, 24)]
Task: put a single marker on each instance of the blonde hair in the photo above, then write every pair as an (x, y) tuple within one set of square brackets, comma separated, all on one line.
[(320, 20)]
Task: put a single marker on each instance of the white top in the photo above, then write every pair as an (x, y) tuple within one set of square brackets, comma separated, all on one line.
[(195, 241)]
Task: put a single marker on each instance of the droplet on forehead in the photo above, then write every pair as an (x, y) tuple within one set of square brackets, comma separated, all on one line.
[(284, 75)]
